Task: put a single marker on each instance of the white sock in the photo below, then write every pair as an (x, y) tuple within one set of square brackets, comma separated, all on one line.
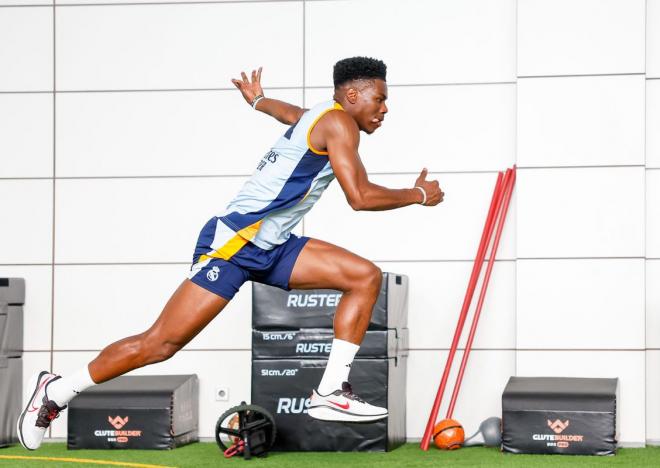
[(339, 365), (62, 391)]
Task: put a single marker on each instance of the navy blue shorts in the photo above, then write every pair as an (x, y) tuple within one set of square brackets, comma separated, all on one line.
[(243, 261)]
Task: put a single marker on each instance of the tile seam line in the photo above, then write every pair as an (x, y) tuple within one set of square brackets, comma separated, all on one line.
[(54, 192), (581, 75), (515, 157), (568, 350), (180, 351), (431, 171), (396, 173), (436, 260), (154, 3), (269, 88), (539, 349), (612, 257), (215, 176), (600, 166), (57, 264)]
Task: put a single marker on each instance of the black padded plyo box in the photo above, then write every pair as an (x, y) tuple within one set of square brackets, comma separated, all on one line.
[(12, 291), (274, 308), (560, 415), (136, 412), (12, 298), (11, 330), (317, 343), (11, 378), (283, 387)]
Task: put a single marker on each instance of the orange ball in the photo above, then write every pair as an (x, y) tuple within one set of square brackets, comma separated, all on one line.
[(448, 434)]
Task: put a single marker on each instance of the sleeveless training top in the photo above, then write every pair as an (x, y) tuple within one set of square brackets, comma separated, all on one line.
[(288, 180)]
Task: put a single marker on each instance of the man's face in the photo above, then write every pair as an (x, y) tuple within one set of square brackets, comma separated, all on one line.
[(369, 109)]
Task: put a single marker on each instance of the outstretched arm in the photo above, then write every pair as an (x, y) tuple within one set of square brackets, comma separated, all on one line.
[(342, 140), (251, 90)]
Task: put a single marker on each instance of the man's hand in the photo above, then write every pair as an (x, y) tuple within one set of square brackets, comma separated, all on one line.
[(249, 89), (432, 188), (284, 112)]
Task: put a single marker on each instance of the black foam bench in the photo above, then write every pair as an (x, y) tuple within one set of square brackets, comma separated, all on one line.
[(137, 412), (560, 415)]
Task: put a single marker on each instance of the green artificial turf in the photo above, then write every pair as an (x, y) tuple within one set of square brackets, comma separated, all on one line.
[(208, 455)]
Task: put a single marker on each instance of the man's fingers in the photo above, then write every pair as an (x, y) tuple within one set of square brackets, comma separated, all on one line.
[(237, 83), (254, 75), (245, 78), (259, 75)]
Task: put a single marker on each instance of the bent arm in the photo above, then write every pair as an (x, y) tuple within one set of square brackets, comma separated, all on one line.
[(283, 111), (342, 139)]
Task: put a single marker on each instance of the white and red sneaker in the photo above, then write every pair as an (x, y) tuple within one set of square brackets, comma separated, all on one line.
[(343, 405), (39, 412)]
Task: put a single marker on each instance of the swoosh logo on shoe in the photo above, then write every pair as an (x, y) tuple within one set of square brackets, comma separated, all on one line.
[(33, 409), (344, 406)]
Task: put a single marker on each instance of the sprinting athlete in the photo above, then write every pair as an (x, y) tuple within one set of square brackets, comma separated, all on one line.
[(252, 241)]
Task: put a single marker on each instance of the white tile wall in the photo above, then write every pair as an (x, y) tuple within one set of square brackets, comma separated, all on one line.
[(133, 297), (467, 41), (192, 133), (26, 49), (653, 214), (214, 369), (653, 38), (652, 304), (449, 231), (563, 37), (27, 221), (583, 121), (480, 396), (597, 212), (580, 304), (653, 397), (136, 220), (37, 308), (652, 123), (436, 294), (627, 366), (183, 46), (467, 128), (26, 135), (133, 230)]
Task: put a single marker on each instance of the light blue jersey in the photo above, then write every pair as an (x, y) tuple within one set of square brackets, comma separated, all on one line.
[(287, 182)]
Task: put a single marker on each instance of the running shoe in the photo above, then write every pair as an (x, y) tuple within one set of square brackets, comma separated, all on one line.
[(39, 412), (344, 406)]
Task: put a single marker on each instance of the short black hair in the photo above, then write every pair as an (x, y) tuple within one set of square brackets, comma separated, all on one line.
[(358, 68)]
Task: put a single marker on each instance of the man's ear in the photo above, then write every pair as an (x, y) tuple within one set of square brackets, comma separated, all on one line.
[(352, 95)]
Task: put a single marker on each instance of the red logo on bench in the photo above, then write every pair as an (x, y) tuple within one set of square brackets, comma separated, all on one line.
[(558, 426), (117, 422)]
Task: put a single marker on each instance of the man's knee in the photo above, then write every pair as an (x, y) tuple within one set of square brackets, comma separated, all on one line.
[(368, 278), (375, 278)]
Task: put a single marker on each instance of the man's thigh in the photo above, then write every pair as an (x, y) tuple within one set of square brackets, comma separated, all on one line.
[(322, 265)]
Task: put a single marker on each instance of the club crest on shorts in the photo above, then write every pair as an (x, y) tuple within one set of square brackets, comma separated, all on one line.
[(213, 273)]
